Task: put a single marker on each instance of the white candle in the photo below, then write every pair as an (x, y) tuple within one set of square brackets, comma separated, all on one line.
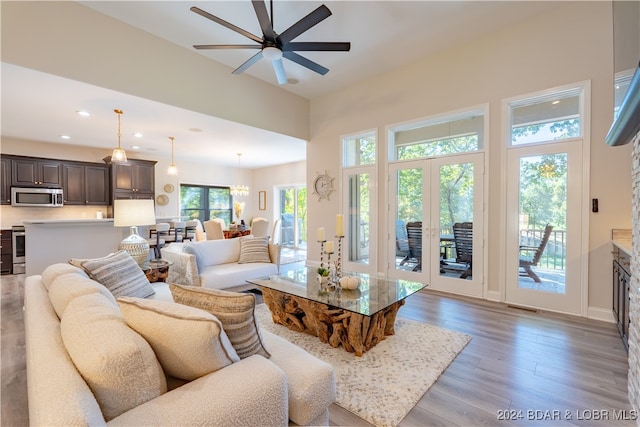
[(329, 247), (339, 225), (321, 234)]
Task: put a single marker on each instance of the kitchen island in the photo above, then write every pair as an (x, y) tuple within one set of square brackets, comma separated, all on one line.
[(52, 241)]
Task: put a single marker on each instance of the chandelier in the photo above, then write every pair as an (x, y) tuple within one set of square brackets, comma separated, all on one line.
[(239, 190)]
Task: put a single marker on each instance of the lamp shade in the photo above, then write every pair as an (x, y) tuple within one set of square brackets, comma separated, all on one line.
[(128, 213)]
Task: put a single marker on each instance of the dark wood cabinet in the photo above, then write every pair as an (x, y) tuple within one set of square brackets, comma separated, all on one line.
[(621, 283), (97, 184), (6, 252), (86, 184), (32, 172), (132, 180), (5, 185)]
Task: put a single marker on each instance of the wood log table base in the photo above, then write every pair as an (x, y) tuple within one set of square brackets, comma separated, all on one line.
[(356, 332)]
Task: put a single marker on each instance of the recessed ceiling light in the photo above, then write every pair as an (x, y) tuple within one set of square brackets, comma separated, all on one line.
[(138, 134), (83, 113), (65, 137), (135, 147), (555, 102)]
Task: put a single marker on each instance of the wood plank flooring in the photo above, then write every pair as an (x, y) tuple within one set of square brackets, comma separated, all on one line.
[(520, 364)]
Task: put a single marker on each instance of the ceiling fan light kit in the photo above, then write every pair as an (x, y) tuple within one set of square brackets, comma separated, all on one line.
[(274, 46)]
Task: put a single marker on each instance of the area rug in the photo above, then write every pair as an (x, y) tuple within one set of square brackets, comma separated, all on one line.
[(387, 381)]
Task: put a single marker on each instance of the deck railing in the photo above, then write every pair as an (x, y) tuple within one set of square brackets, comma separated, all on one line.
[(554, 255)]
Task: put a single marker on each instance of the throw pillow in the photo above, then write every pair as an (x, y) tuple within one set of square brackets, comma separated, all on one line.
[(188, 342), (234, 310), (115, 361), (120, 274), (254, 250)]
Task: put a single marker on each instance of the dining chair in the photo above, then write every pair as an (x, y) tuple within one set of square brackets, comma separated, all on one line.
[(529, 256), (260, 227), (463, 241), (161, 231), (414, 241), (214, 229)]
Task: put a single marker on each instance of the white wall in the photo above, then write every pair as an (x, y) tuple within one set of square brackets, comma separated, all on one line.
[(571, 43)]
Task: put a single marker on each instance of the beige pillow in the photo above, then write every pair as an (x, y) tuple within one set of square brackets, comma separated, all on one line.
[(234, 310), (120, 274), (254, 250), (69, 286), (188, 342), (50, 273), (115, 361)]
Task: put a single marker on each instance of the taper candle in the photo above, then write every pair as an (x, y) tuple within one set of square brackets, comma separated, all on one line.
[(339, 225), (321, 234), (329, 249)]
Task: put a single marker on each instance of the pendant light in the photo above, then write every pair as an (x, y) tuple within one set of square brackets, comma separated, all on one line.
[(118, 155), (239, 190), (173, 170)]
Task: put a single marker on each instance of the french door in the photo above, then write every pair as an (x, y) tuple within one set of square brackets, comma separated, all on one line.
[(293, 217), (544, 187), (427, 198)]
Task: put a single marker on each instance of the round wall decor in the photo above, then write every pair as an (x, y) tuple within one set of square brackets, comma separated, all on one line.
[(162, 200), (323, 185), (168, 188)]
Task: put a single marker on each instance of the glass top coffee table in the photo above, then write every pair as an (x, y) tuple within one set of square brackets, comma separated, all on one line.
[(357, 319)]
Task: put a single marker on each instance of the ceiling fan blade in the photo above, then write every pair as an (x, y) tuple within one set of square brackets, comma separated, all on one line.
[(225, 24), (292, 56), (248, 63), (315, 17), (318, 46), (263, 19), (278, 67), (227, 46)]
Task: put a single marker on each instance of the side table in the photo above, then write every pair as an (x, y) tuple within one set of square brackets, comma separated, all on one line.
[(156, 271)]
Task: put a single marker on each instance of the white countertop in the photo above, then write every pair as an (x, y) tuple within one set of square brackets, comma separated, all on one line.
[(622, 239), (68, 221)]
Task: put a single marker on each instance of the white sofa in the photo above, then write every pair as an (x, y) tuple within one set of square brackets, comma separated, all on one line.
[(214, 264), (289, 387)]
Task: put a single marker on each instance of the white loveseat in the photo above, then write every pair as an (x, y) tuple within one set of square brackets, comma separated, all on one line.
[(289, 387), (216, 264)]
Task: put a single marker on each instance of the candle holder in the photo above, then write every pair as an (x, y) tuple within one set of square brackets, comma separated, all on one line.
[(321, 252), (339, 260)]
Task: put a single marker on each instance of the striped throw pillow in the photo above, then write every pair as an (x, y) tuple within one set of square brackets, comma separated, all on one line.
[(120, 274), (234, 310), (254, 249)]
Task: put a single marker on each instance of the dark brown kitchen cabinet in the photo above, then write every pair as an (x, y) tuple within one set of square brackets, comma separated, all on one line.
[(33, 172), (86, 184), (621, 283), (132, 180), (6, 252), (5, 185)]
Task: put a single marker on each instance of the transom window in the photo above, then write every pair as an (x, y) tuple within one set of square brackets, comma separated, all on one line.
[(548, 117), (359, 150), (442, 136), (205, 202)]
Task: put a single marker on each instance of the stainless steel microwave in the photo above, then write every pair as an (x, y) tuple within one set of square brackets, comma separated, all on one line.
[(41, 197)]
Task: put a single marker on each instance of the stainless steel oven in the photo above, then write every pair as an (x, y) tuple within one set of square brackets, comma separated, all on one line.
[(18, 237)]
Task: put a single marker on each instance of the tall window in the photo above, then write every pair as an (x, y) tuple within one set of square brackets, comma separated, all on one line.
[(205, 202)]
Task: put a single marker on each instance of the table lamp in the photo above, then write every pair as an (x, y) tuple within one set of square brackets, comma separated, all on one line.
[(134, 213)]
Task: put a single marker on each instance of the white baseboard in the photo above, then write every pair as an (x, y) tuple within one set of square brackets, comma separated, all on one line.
[(597, 313), (494, 296)]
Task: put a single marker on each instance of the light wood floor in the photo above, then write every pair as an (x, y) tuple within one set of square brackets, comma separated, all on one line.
[(517, 360)]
